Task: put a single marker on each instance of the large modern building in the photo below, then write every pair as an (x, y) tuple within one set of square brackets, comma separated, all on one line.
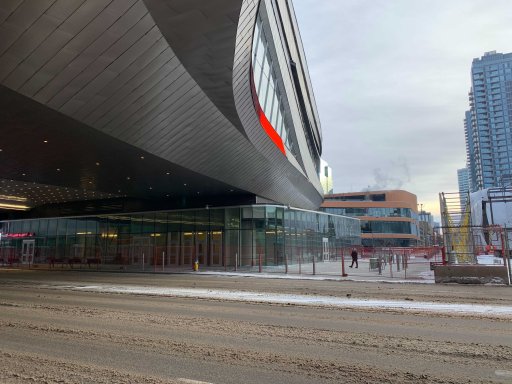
[(463, 181), (137, 131), (426, 229), (488, 127), (388, 218)]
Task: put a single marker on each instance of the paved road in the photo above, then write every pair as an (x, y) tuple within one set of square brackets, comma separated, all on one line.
[(50, 333)]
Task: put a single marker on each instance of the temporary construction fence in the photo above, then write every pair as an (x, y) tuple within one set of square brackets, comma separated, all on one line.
[(476, 233), (407, 263)]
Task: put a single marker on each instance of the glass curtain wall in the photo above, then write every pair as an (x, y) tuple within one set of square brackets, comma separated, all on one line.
[(258, 237)]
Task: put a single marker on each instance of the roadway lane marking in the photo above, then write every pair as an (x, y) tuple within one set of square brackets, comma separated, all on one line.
[(189, 381)]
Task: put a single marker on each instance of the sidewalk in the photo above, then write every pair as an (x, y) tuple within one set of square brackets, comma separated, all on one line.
[(418, 271)]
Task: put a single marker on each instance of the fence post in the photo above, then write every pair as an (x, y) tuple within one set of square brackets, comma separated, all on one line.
[(343, 274), (163, 261), (300, 262), (405, 266), (505, 256), (390, 259)]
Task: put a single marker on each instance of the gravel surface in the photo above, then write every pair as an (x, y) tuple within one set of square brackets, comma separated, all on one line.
[(50, 333)]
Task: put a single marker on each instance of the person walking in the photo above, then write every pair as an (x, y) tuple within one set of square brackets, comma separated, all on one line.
[(354, 258)]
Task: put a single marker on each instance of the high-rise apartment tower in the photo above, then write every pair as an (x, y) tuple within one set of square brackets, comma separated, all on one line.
[(487, 128)]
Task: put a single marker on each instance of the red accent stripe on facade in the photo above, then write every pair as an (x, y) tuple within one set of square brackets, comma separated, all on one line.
[(269, 129), (271, 132)]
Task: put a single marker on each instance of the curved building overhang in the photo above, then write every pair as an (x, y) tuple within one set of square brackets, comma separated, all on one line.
[(104, 68), (48, 158)]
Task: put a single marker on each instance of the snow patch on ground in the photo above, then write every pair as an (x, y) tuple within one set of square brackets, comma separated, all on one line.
[(429, 277), (278, 298)]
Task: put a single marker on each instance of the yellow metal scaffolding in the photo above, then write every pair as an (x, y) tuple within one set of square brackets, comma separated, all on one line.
[(456, 222)]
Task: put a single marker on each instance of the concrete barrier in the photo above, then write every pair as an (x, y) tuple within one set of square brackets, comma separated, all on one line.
[(471, 274)]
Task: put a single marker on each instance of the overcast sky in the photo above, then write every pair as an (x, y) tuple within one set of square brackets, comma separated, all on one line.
[(391, 79)]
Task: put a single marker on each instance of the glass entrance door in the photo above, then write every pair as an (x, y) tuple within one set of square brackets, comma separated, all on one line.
[(27, 251), (325, 248), (141, 251), (201, 247), (188, 248), (216, 248), (173, 248)]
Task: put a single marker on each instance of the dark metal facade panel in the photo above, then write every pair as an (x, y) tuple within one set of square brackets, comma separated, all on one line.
[(62, 10), (93, 66), (124, 93), (167, 130), (130, 102), (19, 20), (202, 34), (90, 44), (110, 70), (179, 103), (144, 63), (22, 47), (7, 8), (48, 59), (33, 78), (148, 101)]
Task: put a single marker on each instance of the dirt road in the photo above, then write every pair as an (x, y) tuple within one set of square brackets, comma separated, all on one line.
[(50, 333)]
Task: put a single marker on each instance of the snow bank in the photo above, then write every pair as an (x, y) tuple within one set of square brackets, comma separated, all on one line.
[(278, 298)]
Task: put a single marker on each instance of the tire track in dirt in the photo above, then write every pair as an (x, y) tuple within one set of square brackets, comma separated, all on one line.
[(22, 368), (316, 368), (290, 334)]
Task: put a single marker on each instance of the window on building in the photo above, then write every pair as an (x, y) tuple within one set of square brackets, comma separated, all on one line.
[(378, 197), (270, 96)]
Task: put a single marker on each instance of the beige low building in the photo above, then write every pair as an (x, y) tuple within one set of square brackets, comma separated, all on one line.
[(388, 218)]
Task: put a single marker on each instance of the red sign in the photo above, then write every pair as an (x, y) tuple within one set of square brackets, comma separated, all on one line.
[(19, 235)]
